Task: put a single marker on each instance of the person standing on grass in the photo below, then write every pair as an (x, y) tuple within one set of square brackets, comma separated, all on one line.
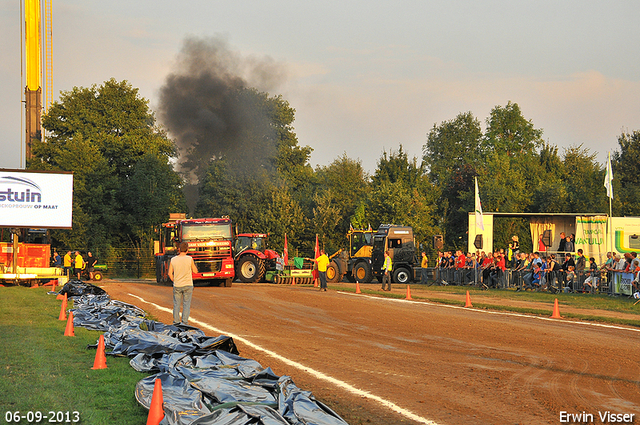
[(79, 264), (181, 269), (68, 262), (91, 263)]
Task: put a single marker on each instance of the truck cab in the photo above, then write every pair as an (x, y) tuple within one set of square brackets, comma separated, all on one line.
[(209, 241), (399, 241)]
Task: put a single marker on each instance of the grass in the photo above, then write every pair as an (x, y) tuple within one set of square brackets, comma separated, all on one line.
[(586, 302), (42, 370)]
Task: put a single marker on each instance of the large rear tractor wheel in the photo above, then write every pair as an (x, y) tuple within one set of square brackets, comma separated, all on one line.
[(250, 269), (333, 273), (362, 273)]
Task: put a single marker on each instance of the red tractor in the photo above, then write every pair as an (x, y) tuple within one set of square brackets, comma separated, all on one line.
[(252, 258)]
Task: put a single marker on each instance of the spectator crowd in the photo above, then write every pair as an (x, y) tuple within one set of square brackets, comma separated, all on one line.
[(554, 271)]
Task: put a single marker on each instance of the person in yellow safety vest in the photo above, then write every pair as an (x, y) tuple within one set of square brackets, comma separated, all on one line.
[(387, 266), (323, 262), (424, 266), (79, 264), (67, 263)]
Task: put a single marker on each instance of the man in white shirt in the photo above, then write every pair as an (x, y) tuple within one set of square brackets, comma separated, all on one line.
[(181, 268)]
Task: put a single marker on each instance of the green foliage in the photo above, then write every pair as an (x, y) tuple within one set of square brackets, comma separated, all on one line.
[(509, 132), (452, 145), (123, 180), (584, 179), (283, 215), (255, 172), (626, 174), (401, 194), (340, 193)]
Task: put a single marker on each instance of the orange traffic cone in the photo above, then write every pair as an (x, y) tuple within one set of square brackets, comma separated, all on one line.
[(315, 283), (68, 331), (156, 413), (556, 310), (101, 361), (358, 288), (408, 293), (468, 301), (293, 281), (63, 309)]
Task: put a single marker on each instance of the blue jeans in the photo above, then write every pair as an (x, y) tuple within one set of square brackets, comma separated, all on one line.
[(323, 279), (182, 297), (424, 276)]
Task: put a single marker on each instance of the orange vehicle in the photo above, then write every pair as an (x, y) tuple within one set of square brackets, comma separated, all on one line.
[(210, 245)]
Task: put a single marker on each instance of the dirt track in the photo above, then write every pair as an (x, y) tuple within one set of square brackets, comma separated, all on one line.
[(444, 364)]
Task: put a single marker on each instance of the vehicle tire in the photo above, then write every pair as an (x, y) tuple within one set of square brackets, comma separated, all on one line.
[(164, 273), (362, 272), (158, 271), (250, 269), (333, 273), (97, 276), (401, 275)]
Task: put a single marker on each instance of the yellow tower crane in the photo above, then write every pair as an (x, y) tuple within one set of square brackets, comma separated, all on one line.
[(35, 73)]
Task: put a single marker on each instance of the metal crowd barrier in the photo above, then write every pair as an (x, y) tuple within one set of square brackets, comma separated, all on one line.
[(584, 281)]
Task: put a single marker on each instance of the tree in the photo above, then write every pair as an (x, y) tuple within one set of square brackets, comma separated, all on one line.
[(452, 145), (102, 134), (452, 156), (402, 194), (347, 184), (284, 215), (508, 131), (584, 179), (626, 174), (153, 189)]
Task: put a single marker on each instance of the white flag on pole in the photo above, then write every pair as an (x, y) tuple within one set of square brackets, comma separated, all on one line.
[(608, 178), (479, 222)]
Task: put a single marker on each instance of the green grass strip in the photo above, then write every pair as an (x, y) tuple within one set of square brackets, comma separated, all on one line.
[(42, 370)]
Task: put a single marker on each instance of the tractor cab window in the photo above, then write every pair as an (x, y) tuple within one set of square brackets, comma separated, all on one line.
[(256, 243), (395, 243), (358, 240), (242, 243), (167, 239)]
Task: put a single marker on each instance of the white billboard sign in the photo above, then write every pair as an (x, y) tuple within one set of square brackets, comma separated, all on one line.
[(35, 199)]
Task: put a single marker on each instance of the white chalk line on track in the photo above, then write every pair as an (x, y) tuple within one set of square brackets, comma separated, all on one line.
[(319, 375), (502, 313)]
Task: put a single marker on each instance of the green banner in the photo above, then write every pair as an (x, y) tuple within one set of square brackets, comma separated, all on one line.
[(591, 233)]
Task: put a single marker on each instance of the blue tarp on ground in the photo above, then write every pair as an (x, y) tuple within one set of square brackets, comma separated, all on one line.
[(204, 380)]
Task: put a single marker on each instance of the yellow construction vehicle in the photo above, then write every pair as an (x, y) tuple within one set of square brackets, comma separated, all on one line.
[(355, 263)]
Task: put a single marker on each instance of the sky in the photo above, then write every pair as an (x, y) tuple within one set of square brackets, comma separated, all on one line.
[(363, 76)]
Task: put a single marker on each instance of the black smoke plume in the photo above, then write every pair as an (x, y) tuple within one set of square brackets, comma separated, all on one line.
[(210, 105)]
